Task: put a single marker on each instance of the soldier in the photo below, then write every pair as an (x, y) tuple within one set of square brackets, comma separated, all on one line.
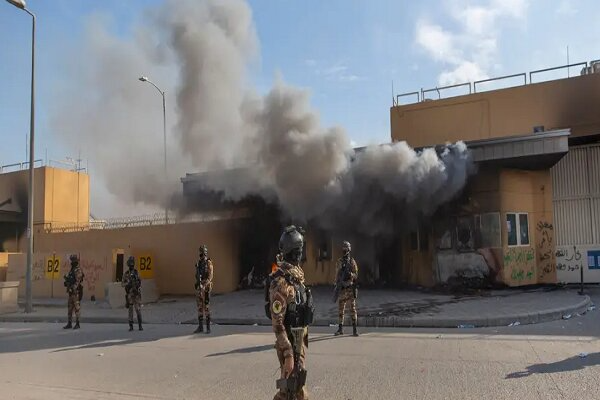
[(73, 283), (133, 292), (346, 290), (203, 286), (289, 305)]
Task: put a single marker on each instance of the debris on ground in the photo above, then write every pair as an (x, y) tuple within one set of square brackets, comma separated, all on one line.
[(583, 355), (465, 326), (516, 323), (568, 316)]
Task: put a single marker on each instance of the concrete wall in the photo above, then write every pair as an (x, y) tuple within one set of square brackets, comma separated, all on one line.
[(174, 249), (565, 103), (66, 196), (61, 197), (495, 193), (530, 192)]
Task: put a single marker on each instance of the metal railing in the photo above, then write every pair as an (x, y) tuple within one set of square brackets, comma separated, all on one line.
[(585, 64), (500, 78), (40, 163), (21, 166), (437, 89), (473, 86), (408, 94)]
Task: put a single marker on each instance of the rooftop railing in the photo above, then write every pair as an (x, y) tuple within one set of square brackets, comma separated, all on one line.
[(421, 95)]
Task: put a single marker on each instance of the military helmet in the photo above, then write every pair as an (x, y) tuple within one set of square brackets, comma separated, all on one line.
[(131, 261), (291, 239), (346, 247), (74, 258), (203, 250)]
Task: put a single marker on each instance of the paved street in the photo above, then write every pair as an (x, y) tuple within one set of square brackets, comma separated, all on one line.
[(382, 308), (104, 361)]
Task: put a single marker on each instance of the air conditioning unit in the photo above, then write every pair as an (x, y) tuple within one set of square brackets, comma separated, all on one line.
[(594, 68)]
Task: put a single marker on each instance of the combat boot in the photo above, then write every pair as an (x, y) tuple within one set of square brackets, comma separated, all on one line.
[(354, 331), (207, 325), (130, 326), (140, 323), (200, 327), (339, 331), (68, 325), (76, 325)]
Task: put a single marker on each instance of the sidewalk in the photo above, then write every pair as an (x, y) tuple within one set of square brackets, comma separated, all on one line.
[(381, 308)]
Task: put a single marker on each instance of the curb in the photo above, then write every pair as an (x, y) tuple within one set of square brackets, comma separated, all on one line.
[(368, 321)]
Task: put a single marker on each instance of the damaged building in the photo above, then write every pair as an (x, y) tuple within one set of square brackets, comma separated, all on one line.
[(519, 205)]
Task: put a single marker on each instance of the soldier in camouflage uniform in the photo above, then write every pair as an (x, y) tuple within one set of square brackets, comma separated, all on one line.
[(347, 274), (289, 305), (203, 286), (133, 292), (73, 283)]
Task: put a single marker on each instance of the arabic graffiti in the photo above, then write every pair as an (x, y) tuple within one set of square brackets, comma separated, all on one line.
[(521, 262), (569, 259), (545, 250)]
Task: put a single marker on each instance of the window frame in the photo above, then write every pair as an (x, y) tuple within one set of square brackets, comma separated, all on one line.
[(518, 226)]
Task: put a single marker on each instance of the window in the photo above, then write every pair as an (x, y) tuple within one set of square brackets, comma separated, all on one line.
[(489, 227), (517, 227)]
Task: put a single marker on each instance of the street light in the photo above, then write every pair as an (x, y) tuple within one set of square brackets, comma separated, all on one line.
[(162, 92), (28, 295)]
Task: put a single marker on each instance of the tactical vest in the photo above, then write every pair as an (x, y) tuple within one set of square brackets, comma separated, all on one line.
[(300, 310), (202, 270)]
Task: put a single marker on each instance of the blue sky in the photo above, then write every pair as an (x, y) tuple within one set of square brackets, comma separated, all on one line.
[(347, 53)]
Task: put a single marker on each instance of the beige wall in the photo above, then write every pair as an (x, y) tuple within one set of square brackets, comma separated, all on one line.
[(15, 185), (61, 196), (565, 103), (174, 248), (66, 196), (530, 192)]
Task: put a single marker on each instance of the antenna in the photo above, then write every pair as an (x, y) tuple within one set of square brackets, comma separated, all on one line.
[(393, 99)]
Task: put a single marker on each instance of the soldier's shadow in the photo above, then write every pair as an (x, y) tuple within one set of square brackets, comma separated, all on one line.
[(568, 364), (266, 347)]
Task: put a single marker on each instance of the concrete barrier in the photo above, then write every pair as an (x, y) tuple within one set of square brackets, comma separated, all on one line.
[(9, 292)]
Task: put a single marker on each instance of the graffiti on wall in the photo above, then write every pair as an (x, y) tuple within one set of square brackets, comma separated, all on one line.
[(520, 261), (92, 271), (545, 250), (569, 259), (37, 270)]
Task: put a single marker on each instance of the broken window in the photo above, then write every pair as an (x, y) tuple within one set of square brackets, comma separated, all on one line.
[(464, 234), (489, 229), (517, 228)]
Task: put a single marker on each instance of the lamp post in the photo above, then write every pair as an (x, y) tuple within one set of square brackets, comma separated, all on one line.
[(162, 92), (28, 295)]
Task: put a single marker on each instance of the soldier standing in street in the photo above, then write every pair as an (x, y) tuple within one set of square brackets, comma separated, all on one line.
[(203, 286), (133, 292), (345, 287), (73, 283), (289, 305)]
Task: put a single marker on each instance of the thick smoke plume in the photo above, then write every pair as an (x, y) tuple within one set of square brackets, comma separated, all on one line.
[(204, 49)]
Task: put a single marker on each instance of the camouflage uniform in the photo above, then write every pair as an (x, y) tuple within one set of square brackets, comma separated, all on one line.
[(204, 278), (73, 283), (346, 276), (289, 305), (282, 293), (133, 293)]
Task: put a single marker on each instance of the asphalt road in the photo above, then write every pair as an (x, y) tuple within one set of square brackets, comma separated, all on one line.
[(101, 361)]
